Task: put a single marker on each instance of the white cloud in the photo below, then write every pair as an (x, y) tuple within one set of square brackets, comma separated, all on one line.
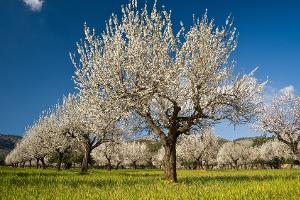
[(271, 92), (35, 5), (287, 90)]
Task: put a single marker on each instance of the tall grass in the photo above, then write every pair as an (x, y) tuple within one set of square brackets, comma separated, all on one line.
[(148, 184)]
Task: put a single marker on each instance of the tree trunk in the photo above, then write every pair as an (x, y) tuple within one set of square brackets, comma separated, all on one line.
[(170, 161), (134, 164), (296, 151), (81, 162), (298, 155), (109, 165), (60, 157), (68, 165), (198, 163), (37, 163), (43, 163), (117, 166), (206, 165), (235, 164), (85, 159)]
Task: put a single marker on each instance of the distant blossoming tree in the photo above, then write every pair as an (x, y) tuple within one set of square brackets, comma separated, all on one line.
[(201, 148), (282, 119), (136, 153), (274, 153), (36, 139), (237, 154), (230, 154), (43, 139), (158, 158), (109, 154), (55, 139), (90, 126), (174, 82)]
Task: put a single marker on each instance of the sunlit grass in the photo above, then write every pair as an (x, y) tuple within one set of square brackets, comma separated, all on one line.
[(148, 184)]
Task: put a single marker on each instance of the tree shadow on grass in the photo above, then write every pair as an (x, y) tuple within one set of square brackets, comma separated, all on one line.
[(126, 174), (233, 179), (122, 181), (28, 174), (43, 181)]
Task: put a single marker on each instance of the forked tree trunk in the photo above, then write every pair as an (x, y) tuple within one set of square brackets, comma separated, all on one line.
[(170, 161), (85, 159), (168, 141), (30, 164)]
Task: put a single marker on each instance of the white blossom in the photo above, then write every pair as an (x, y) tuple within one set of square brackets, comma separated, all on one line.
[(173, 81), (282, 119)]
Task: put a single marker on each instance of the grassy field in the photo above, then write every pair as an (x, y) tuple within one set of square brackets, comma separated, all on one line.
[(148, 184)]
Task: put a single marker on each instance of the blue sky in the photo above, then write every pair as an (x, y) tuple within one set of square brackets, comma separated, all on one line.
[(35, 38)]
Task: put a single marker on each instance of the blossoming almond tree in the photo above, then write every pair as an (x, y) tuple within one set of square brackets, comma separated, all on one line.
[(136, 153), (34, 144), (174, 82), (109, 154), (19, 154), (230, 154), (90, 126), (199, 148), (273, 151), (57, 140), (282, 119), (36, 139)]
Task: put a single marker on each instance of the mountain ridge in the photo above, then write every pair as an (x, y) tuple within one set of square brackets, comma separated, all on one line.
[(7, 143)]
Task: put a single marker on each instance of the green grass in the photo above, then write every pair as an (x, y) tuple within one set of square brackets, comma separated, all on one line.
[(148, 184)]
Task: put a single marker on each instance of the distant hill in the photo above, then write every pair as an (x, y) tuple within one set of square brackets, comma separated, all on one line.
[(222, 140), (246, 138), (7, 143), (256, 141)]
